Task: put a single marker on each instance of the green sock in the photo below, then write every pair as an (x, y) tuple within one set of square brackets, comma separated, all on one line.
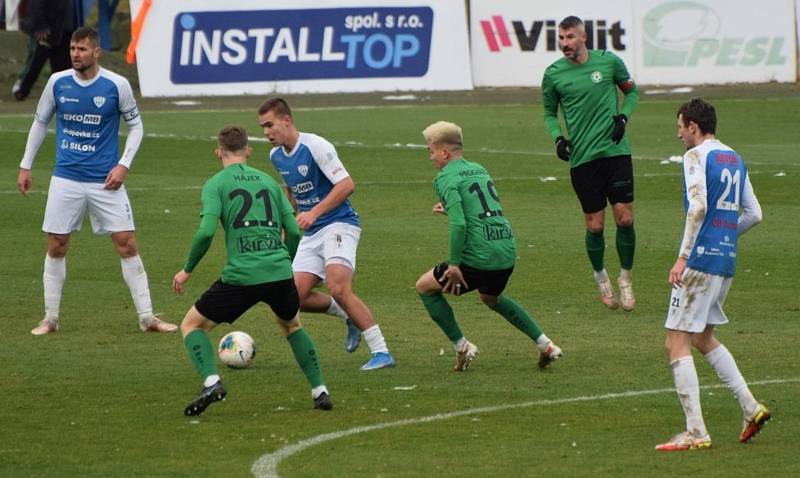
[(305, 352), (441, 313), (201, 353), (518, 317), (626, 245), (595, 247)]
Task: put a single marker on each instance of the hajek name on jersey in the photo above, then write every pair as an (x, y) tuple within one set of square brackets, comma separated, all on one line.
[(269, 45)]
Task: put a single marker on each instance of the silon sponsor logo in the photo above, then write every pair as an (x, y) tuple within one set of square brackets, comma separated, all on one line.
[(270, 45), (598, 34), (691, 34)]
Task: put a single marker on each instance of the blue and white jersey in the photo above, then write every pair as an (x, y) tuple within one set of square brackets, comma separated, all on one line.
[(310, 171), (87, 122), (716, 181)]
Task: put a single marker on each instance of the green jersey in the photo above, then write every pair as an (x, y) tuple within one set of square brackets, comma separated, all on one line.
[(587, 93), (480, 235), (251, 207)]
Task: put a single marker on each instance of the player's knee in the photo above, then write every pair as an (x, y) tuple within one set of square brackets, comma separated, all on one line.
[(594, 227), (625, 220), (340, 291)]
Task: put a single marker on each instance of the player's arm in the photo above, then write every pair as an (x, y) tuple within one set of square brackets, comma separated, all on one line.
[(694, 170), (750, 207), (628, 87), (291, 233), (328, 161), (130, 113), (457, 225), (38, 132), (200, 244), (550, 100)]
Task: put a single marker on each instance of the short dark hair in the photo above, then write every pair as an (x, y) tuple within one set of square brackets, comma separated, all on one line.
[(701, 112), (232, 138), (277, 105), (570, 22), (87, 33)]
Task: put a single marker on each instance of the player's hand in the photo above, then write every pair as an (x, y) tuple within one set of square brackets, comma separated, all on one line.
[(619, 128), (181, 278), (676, 273), (24, 181), (306, 219), (116, 177), (563, 148), (438, 208), (454, 281)]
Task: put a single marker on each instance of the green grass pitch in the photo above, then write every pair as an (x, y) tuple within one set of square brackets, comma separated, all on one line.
[(99, 398)]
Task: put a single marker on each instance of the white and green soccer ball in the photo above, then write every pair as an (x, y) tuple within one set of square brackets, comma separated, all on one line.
[(236, 349)]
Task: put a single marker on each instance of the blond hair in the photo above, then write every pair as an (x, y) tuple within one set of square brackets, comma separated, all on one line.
[(443, 132)]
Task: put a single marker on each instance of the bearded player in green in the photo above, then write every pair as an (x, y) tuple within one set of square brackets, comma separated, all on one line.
[(482, 249), (584, 83), (255, 214)]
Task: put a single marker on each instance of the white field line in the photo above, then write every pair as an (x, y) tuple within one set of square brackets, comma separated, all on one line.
[(267, 465), (385, 183), (392, 146), (413, 104)]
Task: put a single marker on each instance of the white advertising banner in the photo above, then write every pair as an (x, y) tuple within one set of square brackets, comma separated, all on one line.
[(715, 41), (661, 41), (208, 47), (513, 41)]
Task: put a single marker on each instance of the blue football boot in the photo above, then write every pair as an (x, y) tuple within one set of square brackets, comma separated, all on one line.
[(353, 336), (379, 360)]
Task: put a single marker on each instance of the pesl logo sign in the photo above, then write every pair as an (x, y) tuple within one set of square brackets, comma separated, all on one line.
[(273, 45), (688, 34)]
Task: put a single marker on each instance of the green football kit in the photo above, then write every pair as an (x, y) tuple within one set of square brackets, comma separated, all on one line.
[(482, 244), (480, 235), (253, 211), (587, 93)]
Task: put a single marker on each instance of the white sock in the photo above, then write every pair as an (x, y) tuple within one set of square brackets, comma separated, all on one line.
[(317, 391), (725, 366), (210, 380), (375, 340), (55, 273), (688, 387), (601, 276), (336, 310), (625, 275), (136, 278), (542, 342), (460, 343)]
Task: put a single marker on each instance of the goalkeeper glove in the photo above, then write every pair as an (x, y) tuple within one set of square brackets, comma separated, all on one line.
[(619, 128), (563, 148)]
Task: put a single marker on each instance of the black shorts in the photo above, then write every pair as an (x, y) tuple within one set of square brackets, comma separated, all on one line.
[(487, 282), (601, 179), (225, 302)]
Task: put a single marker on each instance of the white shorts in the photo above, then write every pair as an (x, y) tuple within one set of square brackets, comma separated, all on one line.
[(67, 200), (333, 244), (699, 302)]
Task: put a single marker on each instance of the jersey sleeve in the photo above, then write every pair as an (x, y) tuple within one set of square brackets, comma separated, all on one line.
[(751, 209), (212, 203), (457, 223), (694, 172), (327, 159), (623, 80), (550, 101), (127, 103), (47, 103)]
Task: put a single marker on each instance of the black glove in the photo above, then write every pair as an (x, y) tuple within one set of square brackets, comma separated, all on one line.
[(619, 128), (563, 148)]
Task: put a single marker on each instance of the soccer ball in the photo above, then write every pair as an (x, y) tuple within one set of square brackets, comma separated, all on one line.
[(236, 350)]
